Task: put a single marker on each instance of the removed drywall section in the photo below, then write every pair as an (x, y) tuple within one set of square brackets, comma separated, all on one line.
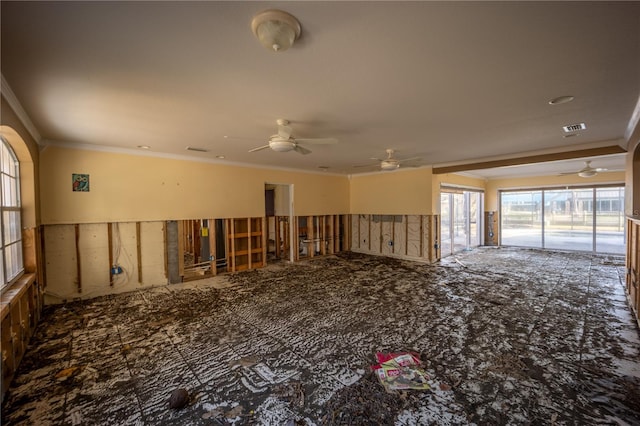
[(61, 267), (404, 236), (93, 250), (414, 236), (86, 259)]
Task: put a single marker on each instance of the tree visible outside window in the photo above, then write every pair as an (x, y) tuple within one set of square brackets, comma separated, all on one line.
[(10, 226)]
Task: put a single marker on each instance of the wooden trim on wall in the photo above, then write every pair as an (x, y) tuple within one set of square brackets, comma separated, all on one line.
[(581, 153)]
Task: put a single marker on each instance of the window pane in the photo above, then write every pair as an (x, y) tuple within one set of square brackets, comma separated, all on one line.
[(6, 157), (11, 224), (2, 280), (568, 219), (445, 225), (610, 221), (9, 191), (521, 218), (460, 235), (13, 260)]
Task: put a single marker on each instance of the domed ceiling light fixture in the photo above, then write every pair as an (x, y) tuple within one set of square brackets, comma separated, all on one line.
[(276, 30)]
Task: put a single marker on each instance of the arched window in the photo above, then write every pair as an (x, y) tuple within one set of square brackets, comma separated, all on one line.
[(10, 224)]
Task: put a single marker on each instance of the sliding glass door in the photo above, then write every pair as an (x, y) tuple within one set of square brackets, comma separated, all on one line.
[(584, 219), (460, 224)]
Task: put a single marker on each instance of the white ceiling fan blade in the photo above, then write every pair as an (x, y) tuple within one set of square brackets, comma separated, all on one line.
[(260, 148), (409, 159), (367, 165), (600, 169), (301, 150), (284, 131), (317, 141)]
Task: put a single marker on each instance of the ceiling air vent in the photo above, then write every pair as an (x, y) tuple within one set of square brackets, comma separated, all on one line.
[(191, 148), (574, 127)]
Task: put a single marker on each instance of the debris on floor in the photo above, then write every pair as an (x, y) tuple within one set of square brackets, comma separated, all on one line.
[(400, 371), (539, 337), (179, 399)]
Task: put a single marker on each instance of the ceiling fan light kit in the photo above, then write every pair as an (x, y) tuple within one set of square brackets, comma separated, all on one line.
[(275, 29), (388, 165), (281, 145), (587, 173)]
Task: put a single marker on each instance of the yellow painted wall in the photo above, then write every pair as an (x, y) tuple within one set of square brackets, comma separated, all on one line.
[(127, 187), (493, 186), (404, 191)]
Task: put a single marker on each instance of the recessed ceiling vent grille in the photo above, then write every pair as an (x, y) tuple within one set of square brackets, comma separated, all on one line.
[(574, 127), (191, 148)]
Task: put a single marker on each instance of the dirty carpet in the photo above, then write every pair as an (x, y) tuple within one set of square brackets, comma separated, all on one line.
[(507, 336)]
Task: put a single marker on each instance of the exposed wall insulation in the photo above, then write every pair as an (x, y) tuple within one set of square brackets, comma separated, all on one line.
[(61, 266), (414, 236), (403, 236), (93, 249)]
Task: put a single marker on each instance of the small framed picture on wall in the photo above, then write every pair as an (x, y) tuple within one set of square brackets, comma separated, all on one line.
[(80, 182)]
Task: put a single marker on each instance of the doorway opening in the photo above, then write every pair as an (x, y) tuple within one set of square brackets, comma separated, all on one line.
[(278, 202)]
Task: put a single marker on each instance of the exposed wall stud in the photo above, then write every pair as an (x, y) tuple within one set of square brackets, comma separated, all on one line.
[(139, 251), (110, 243), (78, 266)]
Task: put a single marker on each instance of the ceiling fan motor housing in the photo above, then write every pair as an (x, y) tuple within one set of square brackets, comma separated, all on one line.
[(279, 144)]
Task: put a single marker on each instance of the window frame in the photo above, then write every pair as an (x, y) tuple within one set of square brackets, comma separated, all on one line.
[(10, 173)]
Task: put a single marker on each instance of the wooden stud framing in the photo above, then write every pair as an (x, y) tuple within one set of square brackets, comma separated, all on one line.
[(369, 219), (265, 242), (276, 240), (421, 236), (181, 246), (310, 237), (78, 266), (213, 251), (232, 253), (393, 234), (381, 238), (139, 250), (250, 243), (110, 243), (166, 249), (406, 235)]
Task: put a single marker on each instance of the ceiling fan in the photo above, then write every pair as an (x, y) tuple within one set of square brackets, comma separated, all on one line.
[(586, 171), (283, 141), (389, 163)]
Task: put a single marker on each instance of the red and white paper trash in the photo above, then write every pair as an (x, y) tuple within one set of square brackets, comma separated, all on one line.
[(400, 371)]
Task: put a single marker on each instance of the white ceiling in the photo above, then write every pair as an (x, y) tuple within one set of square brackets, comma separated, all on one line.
[(447, 82)]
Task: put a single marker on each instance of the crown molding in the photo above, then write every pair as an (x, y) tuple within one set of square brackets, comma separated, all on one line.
[(15, 104), (582, 151)]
